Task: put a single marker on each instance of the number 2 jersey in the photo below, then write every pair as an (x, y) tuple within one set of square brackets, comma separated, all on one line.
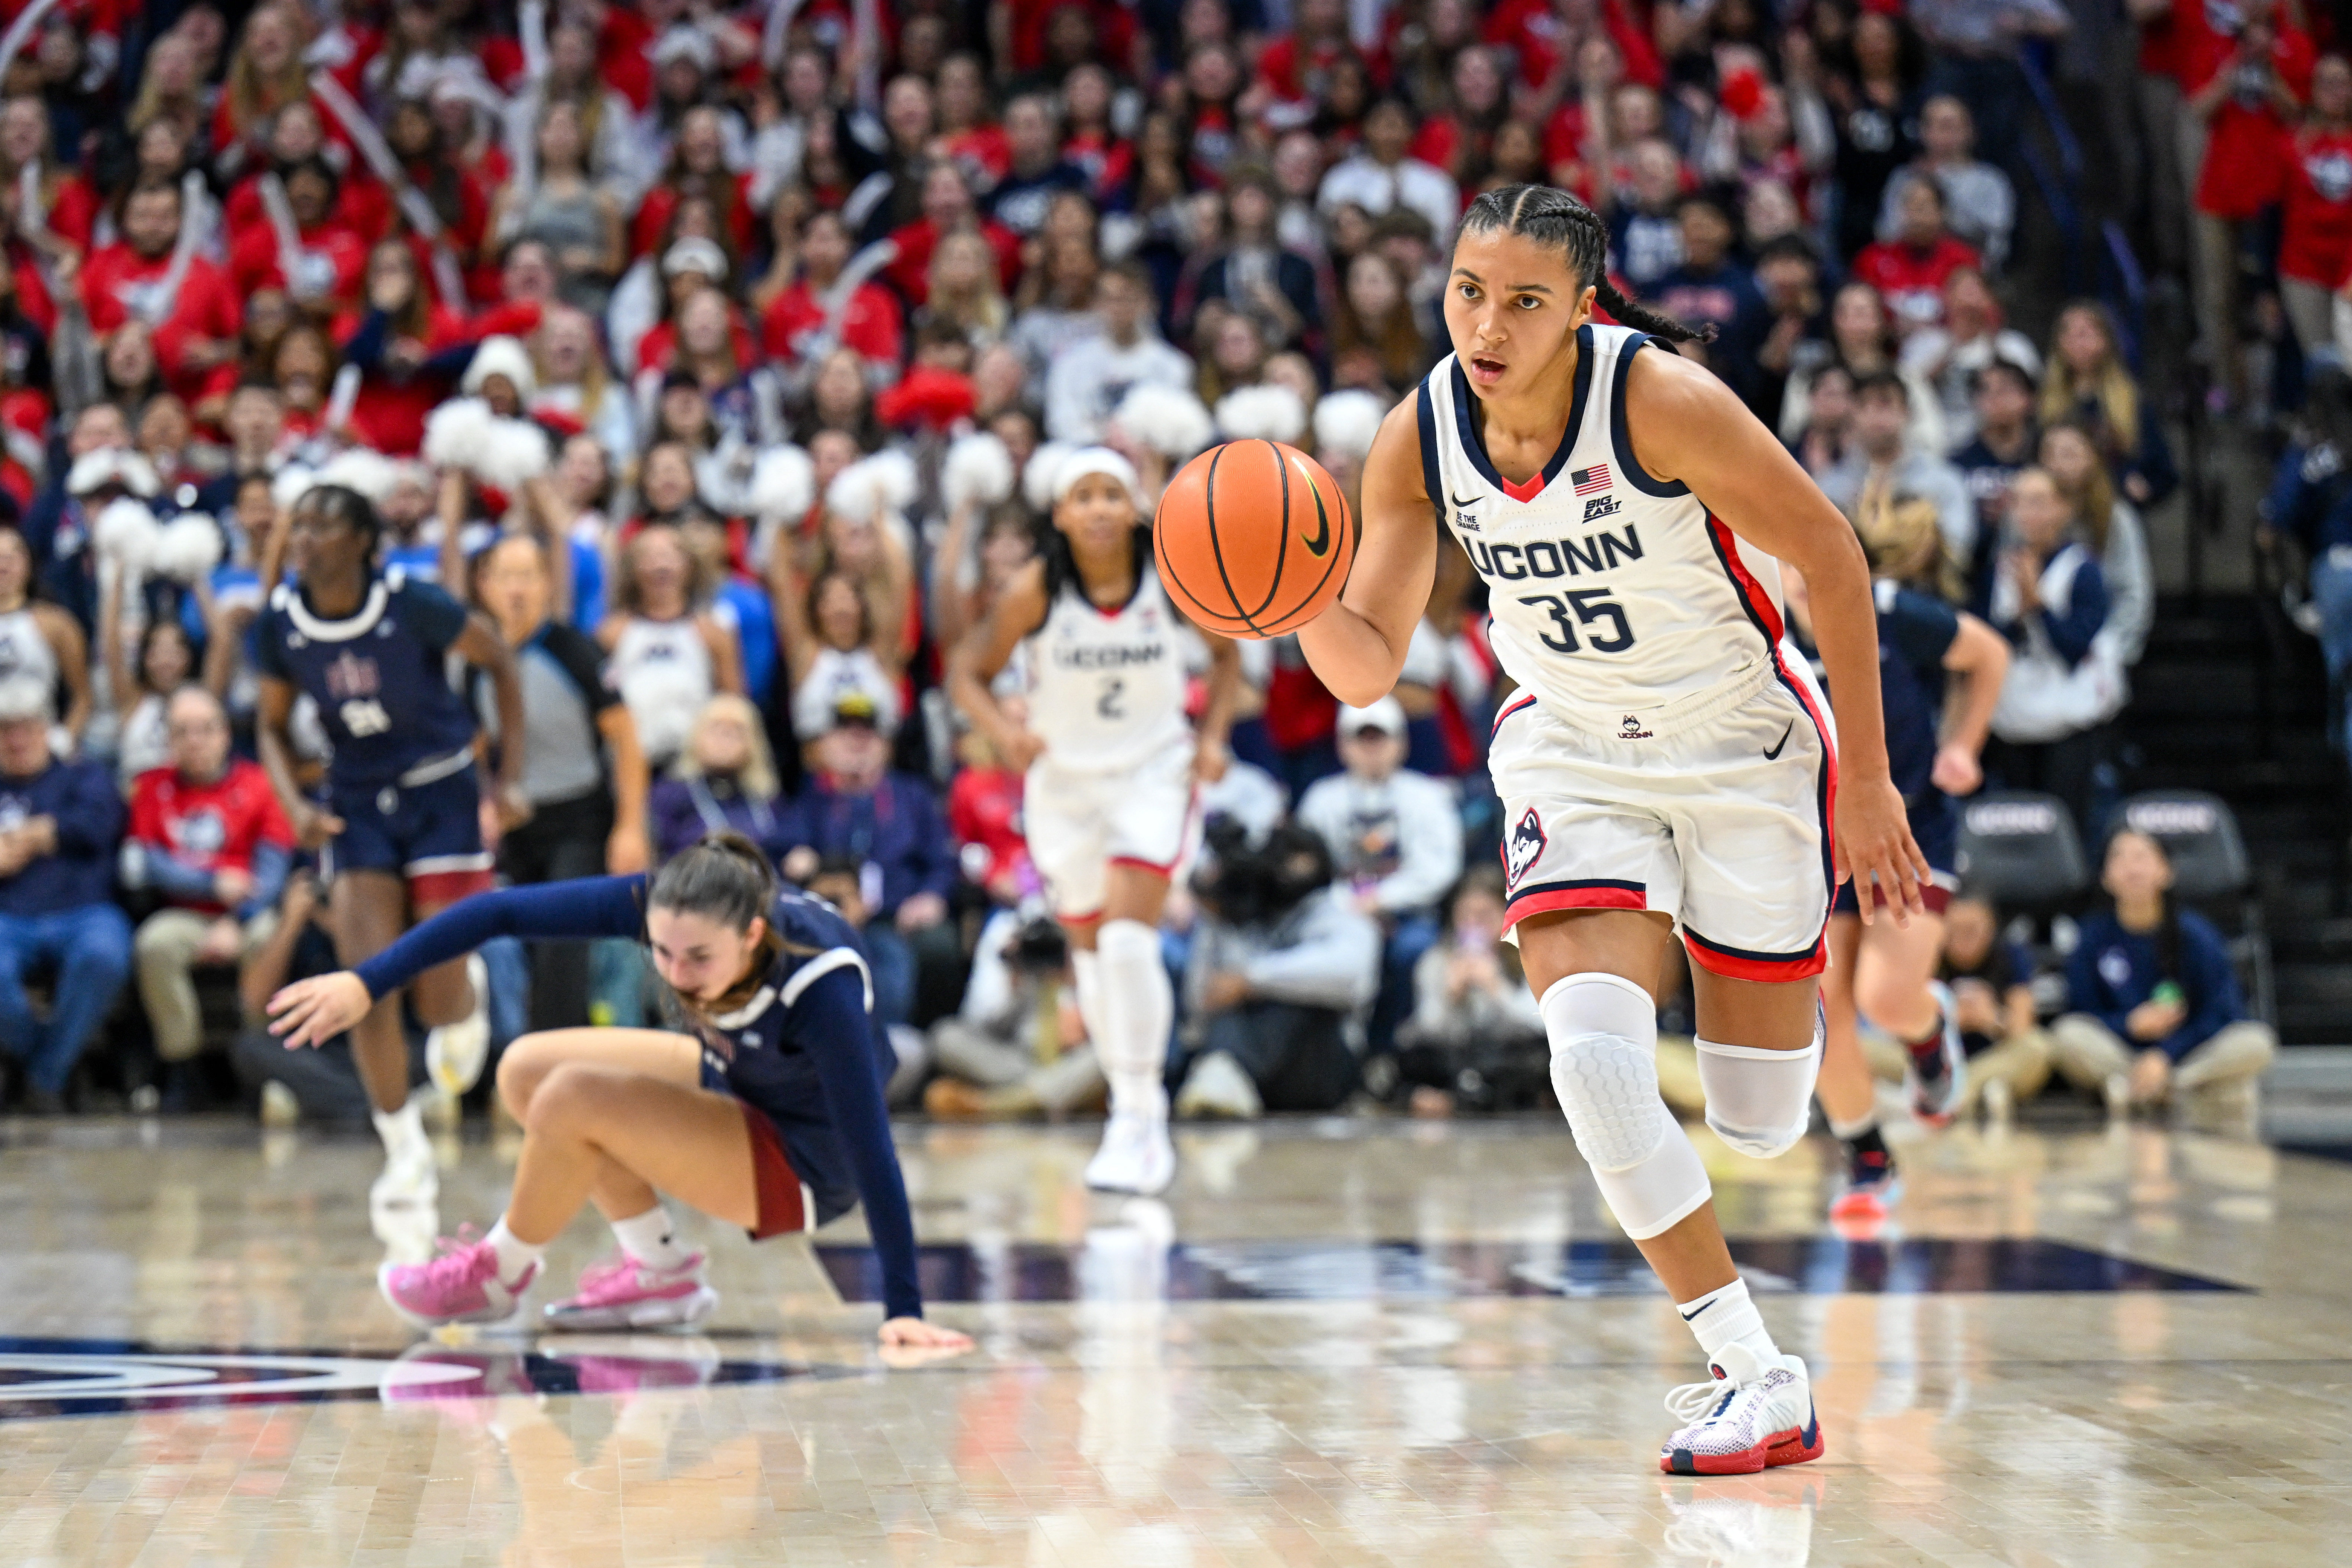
[(1613, 594), (379, 677), (1106, 686)]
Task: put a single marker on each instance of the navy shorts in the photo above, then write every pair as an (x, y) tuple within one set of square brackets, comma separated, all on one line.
[(1936, 828), (429, 834)]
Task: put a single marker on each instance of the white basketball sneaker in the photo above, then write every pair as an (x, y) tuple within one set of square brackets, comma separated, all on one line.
[(411, 1178), (1756, 1413), (1933, 1071), (1136, 1155), (454, 1053)]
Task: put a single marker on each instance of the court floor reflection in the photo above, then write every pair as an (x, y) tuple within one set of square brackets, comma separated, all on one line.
[(1333, 1344)]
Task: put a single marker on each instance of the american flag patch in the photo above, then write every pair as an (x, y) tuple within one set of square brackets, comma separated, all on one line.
[(1588, 480)]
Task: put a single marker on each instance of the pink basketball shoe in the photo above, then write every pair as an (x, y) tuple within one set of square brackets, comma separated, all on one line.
[(627, 1294), (460, 1286)]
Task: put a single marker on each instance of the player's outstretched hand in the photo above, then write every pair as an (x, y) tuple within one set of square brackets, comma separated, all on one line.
[(1874, 846), (912, 1342), (314, 1011)]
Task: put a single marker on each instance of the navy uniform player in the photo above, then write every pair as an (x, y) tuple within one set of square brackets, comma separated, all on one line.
[(768, 1114), (1883, 971), (1668, 765), (400, 832)]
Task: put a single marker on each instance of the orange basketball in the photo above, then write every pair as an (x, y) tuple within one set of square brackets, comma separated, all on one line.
[(1253, 539)]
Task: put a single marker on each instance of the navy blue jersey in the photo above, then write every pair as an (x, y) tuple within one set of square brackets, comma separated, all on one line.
[(378, 677), (1915, 633), (806, 1050)]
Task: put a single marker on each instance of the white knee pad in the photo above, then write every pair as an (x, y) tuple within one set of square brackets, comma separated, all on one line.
[(1137, 1006), (1603, 1031), (1759, 1101)]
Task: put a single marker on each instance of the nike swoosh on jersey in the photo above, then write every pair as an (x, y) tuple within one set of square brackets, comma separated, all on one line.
[(1457, 501), (1781, 744)]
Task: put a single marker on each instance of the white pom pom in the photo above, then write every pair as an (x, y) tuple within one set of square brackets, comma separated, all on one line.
[(514, 451), (361, 468), (1037, 479), (1170, 420), (458, 433), (186, 549), (977, 470), (1346, 422), (126, 533), (875, 487), (1261, 413), (292, 484), (783, 483)]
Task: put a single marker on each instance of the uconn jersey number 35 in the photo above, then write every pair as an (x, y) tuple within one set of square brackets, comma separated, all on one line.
[(1662, 751)]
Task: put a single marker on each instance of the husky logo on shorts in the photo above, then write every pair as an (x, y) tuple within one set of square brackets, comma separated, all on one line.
[(1524, 849)]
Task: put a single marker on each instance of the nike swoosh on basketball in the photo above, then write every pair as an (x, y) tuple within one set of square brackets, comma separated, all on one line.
[(1322, 540), (1781, 744)]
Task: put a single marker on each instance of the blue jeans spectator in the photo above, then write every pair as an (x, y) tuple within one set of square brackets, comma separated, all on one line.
[(892, 963), (1412, 935), (2331, 594), (87, 952)]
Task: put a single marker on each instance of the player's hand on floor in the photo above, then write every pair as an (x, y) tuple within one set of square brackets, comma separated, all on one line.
[(1874, 846), (912, 1342), (314, 1011)]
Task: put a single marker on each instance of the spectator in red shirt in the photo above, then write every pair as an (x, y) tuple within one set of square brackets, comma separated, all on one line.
[(1910, 269), (1088, 138), (2316, 241), (798, 327), (297, 134), (328, 259), (1294, 69), (208, 834), (196, 325), (68, 207), (948, 206), (967, 133), (1546, 34), (698, 166), (2248, 90)]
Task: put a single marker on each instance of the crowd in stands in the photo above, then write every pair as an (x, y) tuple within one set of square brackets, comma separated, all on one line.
[(707, 351)]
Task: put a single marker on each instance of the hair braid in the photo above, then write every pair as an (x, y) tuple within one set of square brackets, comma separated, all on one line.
[(1551, 217)]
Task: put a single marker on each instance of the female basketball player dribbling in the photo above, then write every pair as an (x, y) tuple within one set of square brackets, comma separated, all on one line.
[(1663, 766), (1111, 766)]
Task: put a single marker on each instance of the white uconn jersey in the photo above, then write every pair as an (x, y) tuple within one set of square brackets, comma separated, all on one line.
[(1613, 595), (1107, 687)]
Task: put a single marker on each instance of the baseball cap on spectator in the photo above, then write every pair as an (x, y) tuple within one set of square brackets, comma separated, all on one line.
[(1096, 460), (501, 355), (684, 43), (23, 696), (695, 254), (111, 468), (1387, 716), (857, 710)]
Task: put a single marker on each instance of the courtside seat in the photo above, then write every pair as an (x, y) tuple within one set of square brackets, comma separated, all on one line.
[(2020, 849)]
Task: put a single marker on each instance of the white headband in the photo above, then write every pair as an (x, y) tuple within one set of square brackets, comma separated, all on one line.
[(1097, 460)]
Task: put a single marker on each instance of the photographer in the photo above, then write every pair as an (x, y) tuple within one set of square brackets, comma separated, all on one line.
[(1280, 963), (1017, 1046), (1475, 1038)]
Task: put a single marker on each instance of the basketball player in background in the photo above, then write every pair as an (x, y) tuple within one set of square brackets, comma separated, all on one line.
[(1111, 765), (400, 833), (1666, 764)]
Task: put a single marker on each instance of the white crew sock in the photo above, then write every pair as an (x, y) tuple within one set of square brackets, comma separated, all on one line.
[(1849, 1131), (515, 1255), (646, 1237), (401, 1129), (1726, 1316), (1137, 1008), (1088, 963)]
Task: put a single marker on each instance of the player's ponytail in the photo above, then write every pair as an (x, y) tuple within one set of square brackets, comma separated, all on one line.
[(725, 878), (1551, 217)]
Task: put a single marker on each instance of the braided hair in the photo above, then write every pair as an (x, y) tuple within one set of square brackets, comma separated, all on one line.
[(1551, 217)]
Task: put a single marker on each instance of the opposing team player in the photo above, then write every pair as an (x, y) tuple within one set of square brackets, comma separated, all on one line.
[(1111, 767), (770, 1115), (400, 833), (1883, 971), (1666, 763)]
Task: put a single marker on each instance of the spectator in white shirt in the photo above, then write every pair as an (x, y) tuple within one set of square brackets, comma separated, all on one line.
[(1395, 837), (1380, 177), (1089, 377)]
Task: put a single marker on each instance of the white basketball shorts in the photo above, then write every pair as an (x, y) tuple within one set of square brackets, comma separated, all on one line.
[(1720, 820), (1080, 825)]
